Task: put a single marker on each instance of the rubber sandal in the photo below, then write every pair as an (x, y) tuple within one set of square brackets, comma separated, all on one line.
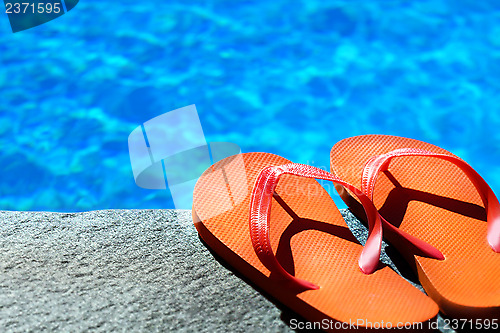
[(432, 208), (275, 224)]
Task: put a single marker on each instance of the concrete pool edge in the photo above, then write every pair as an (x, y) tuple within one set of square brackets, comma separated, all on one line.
[(115, 270)]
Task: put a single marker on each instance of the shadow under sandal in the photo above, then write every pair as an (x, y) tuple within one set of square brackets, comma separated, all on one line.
[(276, 225), (437, 211)]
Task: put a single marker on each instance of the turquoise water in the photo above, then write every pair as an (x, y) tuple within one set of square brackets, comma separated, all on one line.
[(287, 77)]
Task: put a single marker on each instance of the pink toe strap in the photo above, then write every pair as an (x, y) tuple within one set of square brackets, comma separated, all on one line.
[(380, 163), (260, 209)]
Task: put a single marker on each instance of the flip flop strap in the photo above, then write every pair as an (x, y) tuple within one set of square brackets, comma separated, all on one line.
[(260, 210), (380, 163)]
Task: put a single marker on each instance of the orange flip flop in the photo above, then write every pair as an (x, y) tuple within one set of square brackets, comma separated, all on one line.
[(275, 224), (436, 210)]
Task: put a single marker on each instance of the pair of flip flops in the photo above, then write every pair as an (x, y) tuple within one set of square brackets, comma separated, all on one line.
[(275, 224)]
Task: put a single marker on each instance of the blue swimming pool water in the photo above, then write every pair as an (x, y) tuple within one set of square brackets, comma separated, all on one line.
[(288, 77)]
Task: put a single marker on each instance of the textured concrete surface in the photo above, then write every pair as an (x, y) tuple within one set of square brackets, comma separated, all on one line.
[(123, 270)]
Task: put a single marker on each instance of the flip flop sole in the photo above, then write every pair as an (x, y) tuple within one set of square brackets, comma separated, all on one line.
[(435, 201), (310, 239)]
